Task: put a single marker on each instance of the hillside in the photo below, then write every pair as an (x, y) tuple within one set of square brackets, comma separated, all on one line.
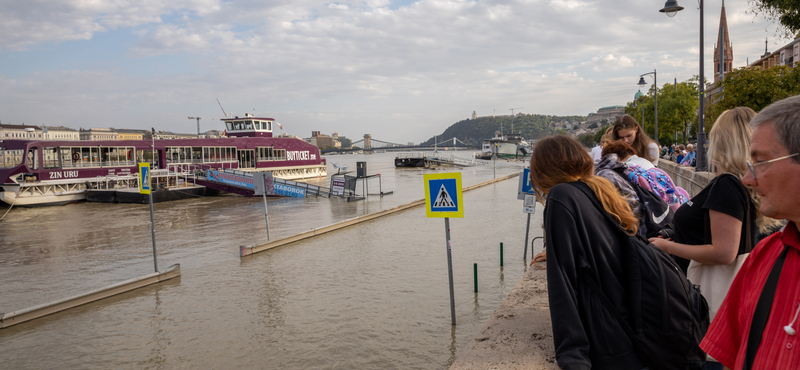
[(531, 126)]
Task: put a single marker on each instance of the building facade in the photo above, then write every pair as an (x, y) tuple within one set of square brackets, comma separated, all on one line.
[(60, 133), (21, 132), (126, 134), (98, 134), (610, 114)]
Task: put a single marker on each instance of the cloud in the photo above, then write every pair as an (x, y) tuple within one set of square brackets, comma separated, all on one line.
[(412, 66)]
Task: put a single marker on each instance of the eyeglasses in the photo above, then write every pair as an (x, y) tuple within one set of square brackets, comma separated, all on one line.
[(752, 166)]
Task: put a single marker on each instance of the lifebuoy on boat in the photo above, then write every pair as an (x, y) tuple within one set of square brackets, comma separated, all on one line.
[(76, 156)]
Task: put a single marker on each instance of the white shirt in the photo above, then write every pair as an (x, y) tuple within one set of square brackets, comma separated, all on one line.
[(639, 161), (652, 151), (596, 153)]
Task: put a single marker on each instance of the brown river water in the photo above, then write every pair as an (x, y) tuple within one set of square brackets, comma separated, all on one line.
[(372, 296)]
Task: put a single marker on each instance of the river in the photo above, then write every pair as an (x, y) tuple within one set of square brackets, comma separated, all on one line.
[(373, 296)]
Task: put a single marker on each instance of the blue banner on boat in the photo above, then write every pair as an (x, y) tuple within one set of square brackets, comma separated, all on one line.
[(289, 191), (231, 179)]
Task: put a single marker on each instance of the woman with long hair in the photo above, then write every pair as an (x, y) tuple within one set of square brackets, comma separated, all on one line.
[(712, 228), (627, 129), (580, 241)]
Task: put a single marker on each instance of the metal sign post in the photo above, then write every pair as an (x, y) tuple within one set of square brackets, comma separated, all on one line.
[(264, 186), (444, 199), (145, 187), (525, 192)]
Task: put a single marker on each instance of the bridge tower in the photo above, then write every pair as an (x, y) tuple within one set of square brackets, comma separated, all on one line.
[(367, 141)]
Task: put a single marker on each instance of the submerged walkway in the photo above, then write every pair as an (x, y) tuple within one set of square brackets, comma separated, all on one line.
[(518, 335)]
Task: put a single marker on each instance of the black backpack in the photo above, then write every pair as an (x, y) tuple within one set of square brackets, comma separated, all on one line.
[(656, 214), (669, 315)]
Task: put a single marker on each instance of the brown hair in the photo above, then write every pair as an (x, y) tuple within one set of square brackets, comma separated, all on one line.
[(560, 159), (622, 149), (641, 141)]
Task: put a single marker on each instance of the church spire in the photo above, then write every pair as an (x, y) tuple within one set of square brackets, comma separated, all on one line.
[(724, 42)]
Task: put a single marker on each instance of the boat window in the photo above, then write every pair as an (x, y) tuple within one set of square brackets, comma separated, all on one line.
[(248, 125), (280, 155), (33, 158), (258, 125), (51, 157), (269, 125), (229, 125), (10, 158)]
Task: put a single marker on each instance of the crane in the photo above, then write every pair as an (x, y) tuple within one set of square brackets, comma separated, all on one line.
[(512, 117)]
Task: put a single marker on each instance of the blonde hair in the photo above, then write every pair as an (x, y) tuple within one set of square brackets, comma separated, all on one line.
[(560, 159), (729, 149)]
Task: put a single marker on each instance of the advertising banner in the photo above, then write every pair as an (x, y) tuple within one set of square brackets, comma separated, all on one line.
[(231, 179), (289, 191)]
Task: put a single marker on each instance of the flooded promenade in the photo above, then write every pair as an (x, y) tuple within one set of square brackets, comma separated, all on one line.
[(372, 296)]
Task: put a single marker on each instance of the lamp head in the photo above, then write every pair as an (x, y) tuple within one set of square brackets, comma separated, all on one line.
[(641, 81), (671, 8)]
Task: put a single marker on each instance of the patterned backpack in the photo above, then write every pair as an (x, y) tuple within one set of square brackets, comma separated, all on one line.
[(657, 181)]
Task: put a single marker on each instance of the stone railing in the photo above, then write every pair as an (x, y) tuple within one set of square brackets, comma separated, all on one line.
[(685, 176)]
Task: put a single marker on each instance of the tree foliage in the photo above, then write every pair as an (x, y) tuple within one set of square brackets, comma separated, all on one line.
[(531, 126), (786, 12), (755, 88), (677, 108), (587, 140)]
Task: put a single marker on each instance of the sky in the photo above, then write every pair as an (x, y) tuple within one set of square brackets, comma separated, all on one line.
[(401, 71)]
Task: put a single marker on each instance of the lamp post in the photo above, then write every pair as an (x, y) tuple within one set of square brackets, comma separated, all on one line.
[(655, 84), (198, 125), (671, 7)]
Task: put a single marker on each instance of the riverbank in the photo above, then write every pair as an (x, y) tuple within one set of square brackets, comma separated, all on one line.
[(518, 335)]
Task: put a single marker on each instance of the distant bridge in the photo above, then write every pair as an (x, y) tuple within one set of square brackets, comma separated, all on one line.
[(368, 144)]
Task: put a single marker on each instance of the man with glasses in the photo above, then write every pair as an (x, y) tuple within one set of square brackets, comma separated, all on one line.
[(756, 327)]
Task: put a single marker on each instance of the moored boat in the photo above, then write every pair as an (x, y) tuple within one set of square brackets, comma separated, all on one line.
[(53, 172), (504, 146)]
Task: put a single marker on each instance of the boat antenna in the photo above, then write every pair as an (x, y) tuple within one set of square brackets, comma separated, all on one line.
[(223, 109), (512, 118)]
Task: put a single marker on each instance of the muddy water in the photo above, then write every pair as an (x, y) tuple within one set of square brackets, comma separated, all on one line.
[(374, 296)]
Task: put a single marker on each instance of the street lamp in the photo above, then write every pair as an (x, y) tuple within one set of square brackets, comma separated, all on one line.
[(655, 84), (636, 98), (198, 125), (670, 8)]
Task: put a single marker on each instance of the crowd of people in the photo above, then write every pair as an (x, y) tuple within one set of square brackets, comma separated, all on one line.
[(736, 241)]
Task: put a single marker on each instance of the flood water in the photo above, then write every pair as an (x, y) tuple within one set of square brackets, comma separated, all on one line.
[(372, 296)]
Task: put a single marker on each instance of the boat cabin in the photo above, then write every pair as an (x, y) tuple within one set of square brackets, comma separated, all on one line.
[(249, 126)]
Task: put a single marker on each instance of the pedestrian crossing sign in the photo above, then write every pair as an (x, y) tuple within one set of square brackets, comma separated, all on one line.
[(443, 196), (144, 178)]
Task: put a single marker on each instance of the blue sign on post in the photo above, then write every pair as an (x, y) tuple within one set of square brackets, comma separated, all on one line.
[(443, 197), (525, 186)]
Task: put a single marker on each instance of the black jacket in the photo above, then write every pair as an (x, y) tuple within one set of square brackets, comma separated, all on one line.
[(580, 241)]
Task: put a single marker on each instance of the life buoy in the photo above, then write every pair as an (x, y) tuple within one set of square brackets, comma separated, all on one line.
[(76, 156)]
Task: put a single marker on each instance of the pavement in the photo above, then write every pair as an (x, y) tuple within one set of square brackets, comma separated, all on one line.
[(518, 335)]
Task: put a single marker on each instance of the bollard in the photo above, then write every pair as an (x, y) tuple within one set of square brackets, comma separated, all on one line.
[(501, 254), (475, 269)]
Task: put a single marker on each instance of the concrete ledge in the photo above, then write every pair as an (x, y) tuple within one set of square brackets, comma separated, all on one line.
[(686, 177), (518, 335), (246, 250), (20, 316)]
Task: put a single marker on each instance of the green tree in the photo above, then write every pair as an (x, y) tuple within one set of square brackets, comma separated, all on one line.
[(755, 88), (676, 110), (587, 140), (786, 12)]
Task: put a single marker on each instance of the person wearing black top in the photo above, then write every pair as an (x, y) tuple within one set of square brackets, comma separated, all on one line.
[(582, 244), (711, 228)]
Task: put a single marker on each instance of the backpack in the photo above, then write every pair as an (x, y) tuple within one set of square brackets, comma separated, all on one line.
[(669, 316), (657, 181), (654, 213)]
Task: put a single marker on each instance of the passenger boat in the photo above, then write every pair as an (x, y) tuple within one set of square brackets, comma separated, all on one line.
[(53, 172), (505, 146)]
